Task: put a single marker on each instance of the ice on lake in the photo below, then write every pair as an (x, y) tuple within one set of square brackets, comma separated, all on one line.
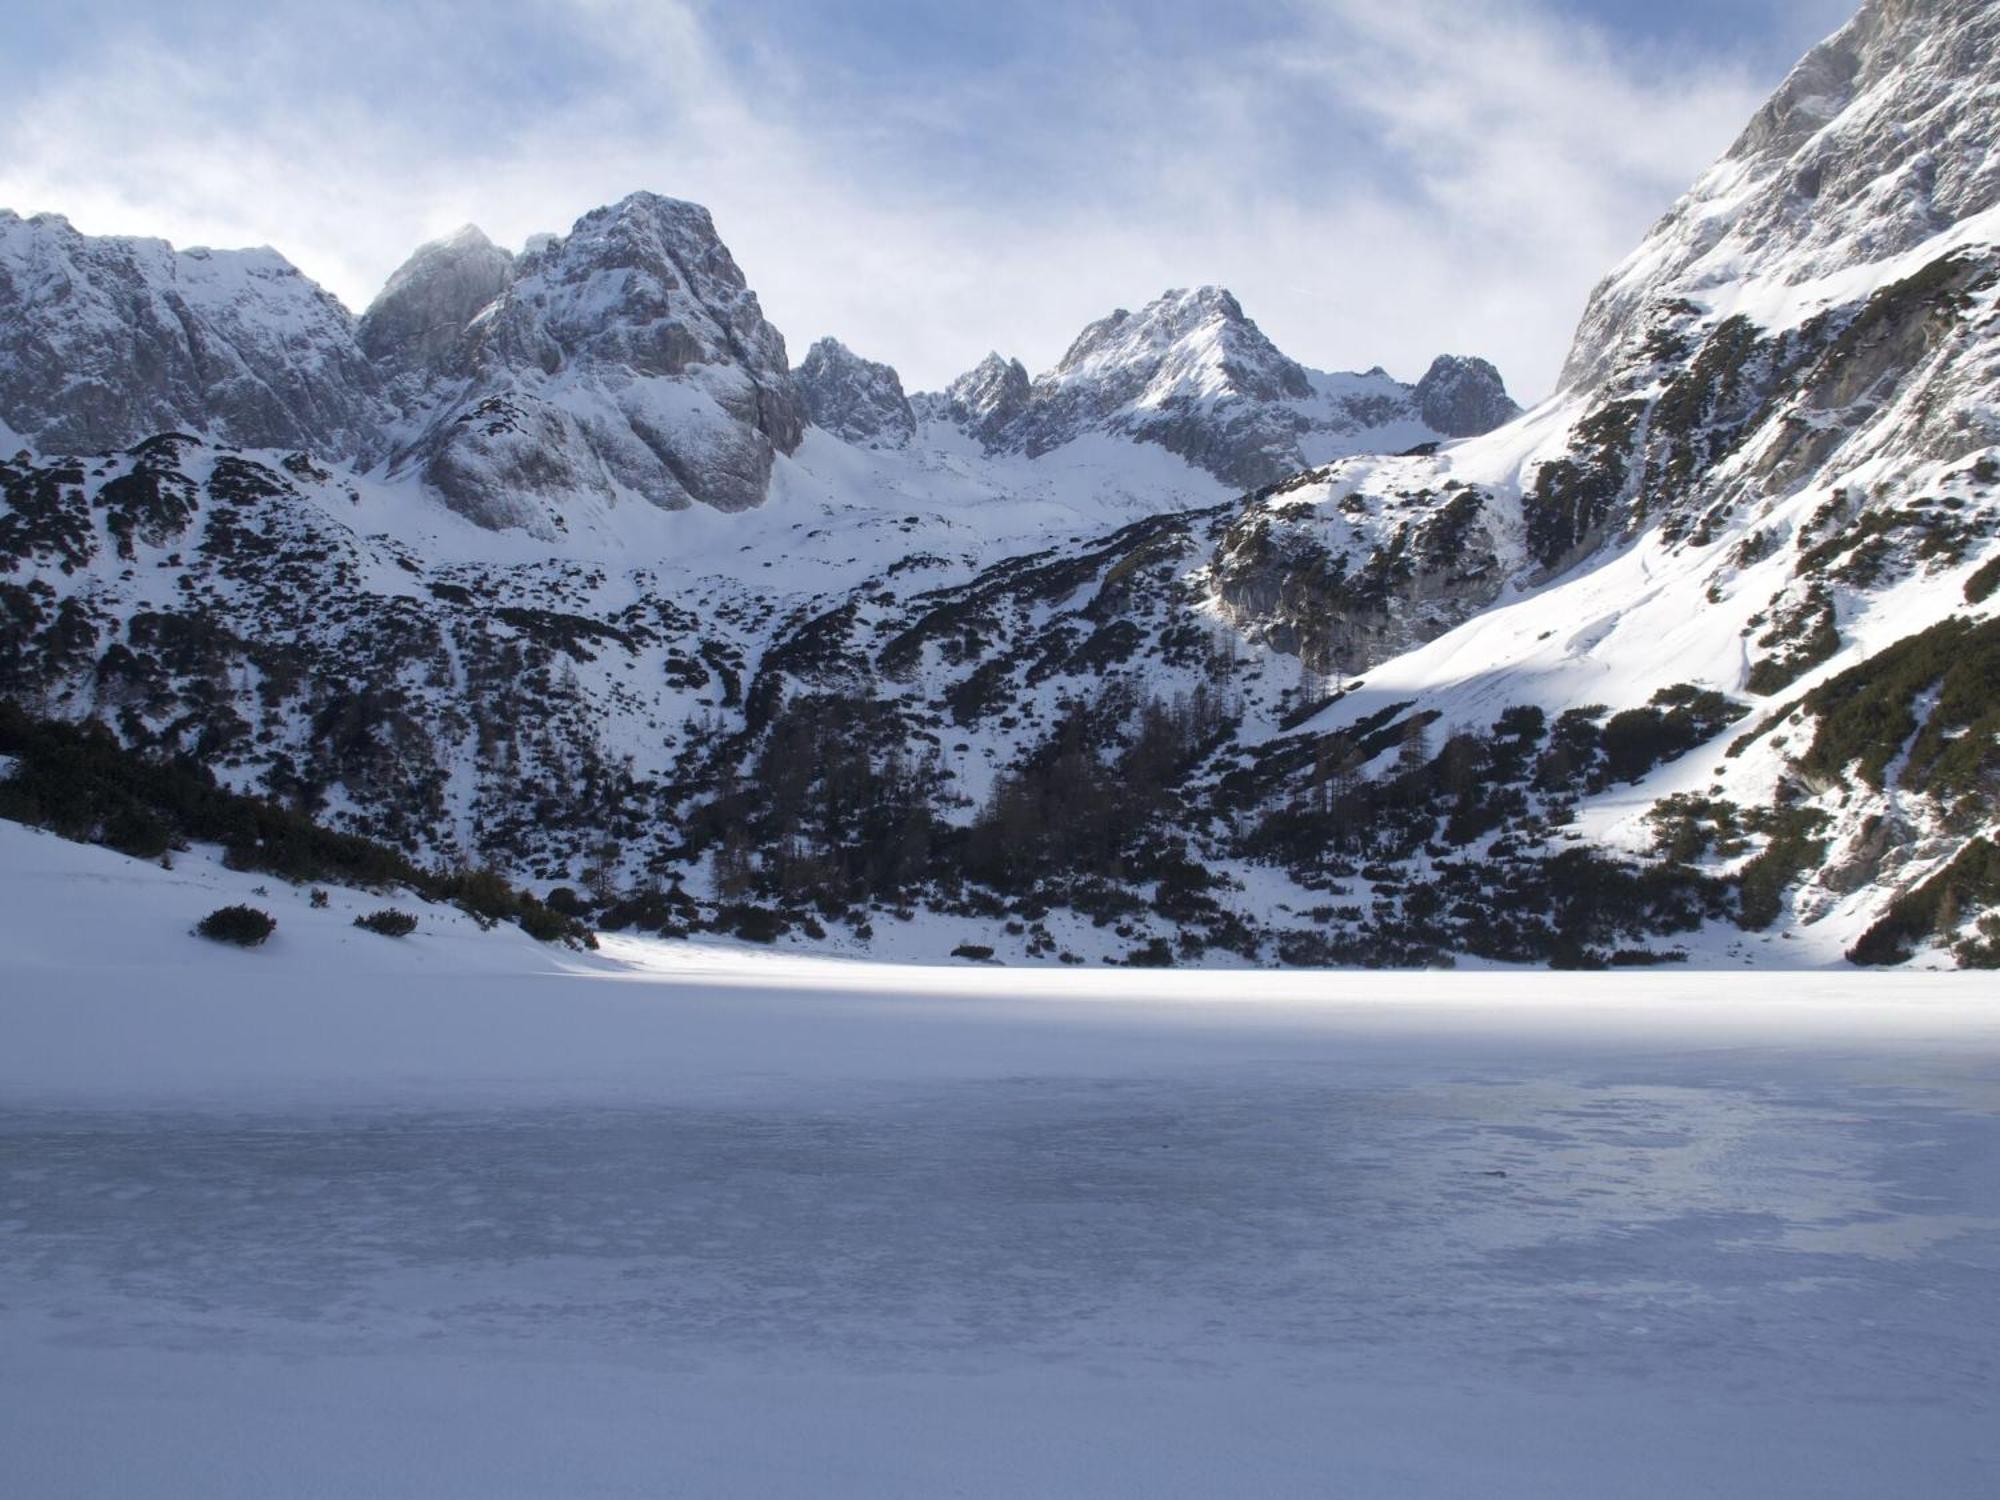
[(654, 1225)]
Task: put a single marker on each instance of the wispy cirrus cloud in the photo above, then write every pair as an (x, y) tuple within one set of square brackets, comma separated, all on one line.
[(1376, 183)]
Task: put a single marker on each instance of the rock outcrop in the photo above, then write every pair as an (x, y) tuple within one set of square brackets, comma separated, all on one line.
[(106, 340), (855, 399), (1463, 397), (628, 360), (986, 400), (418, 322)]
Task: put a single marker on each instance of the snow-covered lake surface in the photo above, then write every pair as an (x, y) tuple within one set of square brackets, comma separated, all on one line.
[(463, 1216)]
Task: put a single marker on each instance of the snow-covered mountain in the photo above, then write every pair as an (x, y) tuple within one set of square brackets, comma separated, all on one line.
[(627, 361), (415, 331), (1193, 374), (1703, 646), (855, 399), (1772, 471), (624, 364), (104, 341)]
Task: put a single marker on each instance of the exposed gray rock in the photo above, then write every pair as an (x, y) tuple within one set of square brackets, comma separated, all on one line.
[(857, 400), (987, 399), (1463, 397), (634, 346), (1726, 369), (420, 320), (104, 341), (1343, 581), (1877, 141), (1189, 372)]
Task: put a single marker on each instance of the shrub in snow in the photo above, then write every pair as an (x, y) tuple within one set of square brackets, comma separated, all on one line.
[(1935, 910), (388, 922), (139, 832), (1982, 952), (546, 925), (754, 924), (483, 895), (245, 926), (979, 953), (670, 913)]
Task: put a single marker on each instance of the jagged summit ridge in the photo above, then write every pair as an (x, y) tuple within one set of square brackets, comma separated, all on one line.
[(1705, 640), (625, 362), (1183, 346), (986, 400), (1192, 372), (104, 340), (1884, 136), (857, 400), (628, 360)]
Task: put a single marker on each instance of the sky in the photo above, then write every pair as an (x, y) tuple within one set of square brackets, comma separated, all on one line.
[(1379, 181)]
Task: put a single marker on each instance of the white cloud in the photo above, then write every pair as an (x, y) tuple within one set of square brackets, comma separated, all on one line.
[(1485, 166)]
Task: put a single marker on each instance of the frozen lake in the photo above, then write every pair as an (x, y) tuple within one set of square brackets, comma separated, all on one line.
[(466, 1220)]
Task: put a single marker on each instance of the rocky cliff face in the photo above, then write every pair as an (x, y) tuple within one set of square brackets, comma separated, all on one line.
[(417, 326), (1192, 373), (106, 340), (1817, 303), (1880, 139), (1775, 469), (1462, 397), (1320, 569), (986, 401), (857, 400), (1817, 309), (627, 361), (1189, 372)]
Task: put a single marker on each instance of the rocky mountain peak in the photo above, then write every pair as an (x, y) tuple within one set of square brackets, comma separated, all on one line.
[(646, 285), (626, 359), (1191, 372), (1188, 371), (989, 398), (856, 399), (1462, 397), (421, 317), (1183, 345), (1885, 135), (106, 340)]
